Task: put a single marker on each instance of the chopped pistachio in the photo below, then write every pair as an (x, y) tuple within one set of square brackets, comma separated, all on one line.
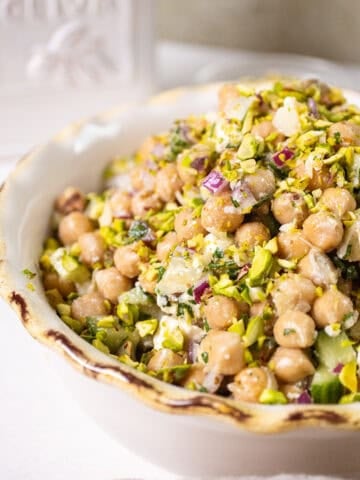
[(147, 327), (272, 397)]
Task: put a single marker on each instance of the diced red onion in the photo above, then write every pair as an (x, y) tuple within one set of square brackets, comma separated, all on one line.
[(244, 270), (198, 163), (149, 236), (212, 381), (193, 350), (285, 154), (313, 107), (200, 289), (122, 215), (215, 182), (158, 150), (185, 132), (304, 398), (243, 196), (338, 368), (260, 98)]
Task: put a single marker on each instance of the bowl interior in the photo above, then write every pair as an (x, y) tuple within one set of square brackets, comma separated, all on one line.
[(77, 157)]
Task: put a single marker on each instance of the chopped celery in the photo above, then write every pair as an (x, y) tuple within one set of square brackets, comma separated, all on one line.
[(334, 350), (325, 387)]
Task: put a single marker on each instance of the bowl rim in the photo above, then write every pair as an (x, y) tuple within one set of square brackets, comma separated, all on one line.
[(157, 394)]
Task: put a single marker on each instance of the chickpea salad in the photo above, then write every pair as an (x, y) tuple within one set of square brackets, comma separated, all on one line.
[(223, 256)]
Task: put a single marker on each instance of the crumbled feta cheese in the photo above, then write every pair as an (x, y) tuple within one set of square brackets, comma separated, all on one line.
[(239, 108), (333, 330), (180, 275), (286, 118)]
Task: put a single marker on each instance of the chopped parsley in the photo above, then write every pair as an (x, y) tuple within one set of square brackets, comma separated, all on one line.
[(138, 230), (205, 357), (161, 270), (235, 203), (289, 331), (182, 308), (337, 136), (28, 273)]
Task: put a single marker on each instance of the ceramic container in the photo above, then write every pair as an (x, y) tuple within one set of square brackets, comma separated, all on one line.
[(185, 432)]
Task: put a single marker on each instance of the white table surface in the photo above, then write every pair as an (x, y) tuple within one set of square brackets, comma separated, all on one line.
[(43, 433)]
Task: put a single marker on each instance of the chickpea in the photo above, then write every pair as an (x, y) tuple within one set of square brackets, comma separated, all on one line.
[(292, 245), (323, 230), (227, 97), (220, 311), (249, 384), (322, 178), (127, 261), (225, 352), (142, 179), (189, 174), (220, 214), (111, 283), (263, 129), (331, 307), (257, 309), (250, 234), (187, 225), (52, 280), (168, 182), (144, 201), (318, 267), (195, 375), (292, 391), (88, 305), (290, 207), (166, 246), (120, 204), (338, 200), (293, 292), (349, 133), (261, 183), (291, 365), (164, 358), (92, 247), (151, 147), (71, 200), (72, 226), (294, 329)]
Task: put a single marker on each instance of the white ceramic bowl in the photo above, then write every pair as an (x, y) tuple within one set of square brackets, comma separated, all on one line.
[(186, 432)]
